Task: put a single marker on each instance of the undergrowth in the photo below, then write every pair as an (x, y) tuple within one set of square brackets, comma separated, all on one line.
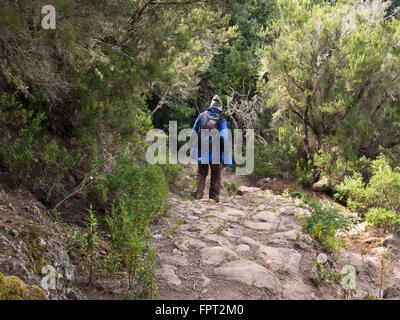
[(323, 222)]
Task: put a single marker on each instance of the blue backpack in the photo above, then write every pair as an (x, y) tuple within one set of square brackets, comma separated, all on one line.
[(211, 119)]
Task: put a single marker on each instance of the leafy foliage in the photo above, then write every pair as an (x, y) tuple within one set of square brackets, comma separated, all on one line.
[(382, 190), (383, 219), (323, 222), (333, 77), (324, 276), (87, 244), (379, 198), (304, 173), (76, 105), (231, 187)]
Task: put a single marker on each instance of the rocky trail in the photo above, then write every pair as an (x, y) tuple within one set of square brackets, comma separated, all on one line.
[(251, 246), (247, 246)]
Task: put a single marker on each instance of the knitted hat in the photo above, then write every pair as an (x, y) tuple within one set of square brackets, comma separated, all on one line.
[(216, 102)]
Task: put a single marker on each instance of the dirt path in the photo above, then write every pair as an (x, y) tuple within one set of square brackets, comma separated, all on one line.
[(249, 246)]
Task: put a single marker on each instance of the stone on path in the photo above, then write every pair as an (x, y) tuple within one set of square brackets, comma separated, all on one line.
[(261, 207), (243, 189), (279, 243), (242, 248), (174, 259), (194, 243), (267, 216), (321, 185), (292, 211), (370, 269), (206, 281), (322, 258), (392, 292), (249, 241), (231, 215), (392, 241), (168, 273), (280, 259), (181, 245), (202, 227), (214, 255), (250, 273), (289, 235), (357, 229), (222, 241), (261, 226)]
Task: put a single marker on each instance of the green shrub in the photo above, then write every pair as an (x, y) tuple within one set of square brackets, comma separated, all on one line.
[(188, 187), (262, 163), (28, 156), (303, 173), (280, 157), (384, 187), (382, 190), (127, 240), (384, 219), (19, 127), (231, 187), (324, 276), (141, 186), (87, 244), (334, 163), (172, 172), (138, 193), (323, 223), (131, 246), (352, 189)]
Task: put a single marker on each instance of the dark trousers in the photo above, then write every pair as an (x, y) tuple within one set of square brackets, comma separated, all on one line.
[(215, 185)]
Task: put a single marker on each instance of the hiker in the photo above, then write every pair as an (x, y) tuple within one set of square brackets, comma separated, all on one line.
[(211, 119)]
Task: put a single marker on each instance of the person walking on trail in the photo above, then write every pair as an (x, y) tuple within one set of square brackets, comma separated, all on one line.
[(214, 159)]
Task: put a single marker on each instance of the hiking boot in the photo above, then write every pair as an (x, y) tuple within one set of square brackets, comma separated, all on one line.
[(197, 196), (215, 198)]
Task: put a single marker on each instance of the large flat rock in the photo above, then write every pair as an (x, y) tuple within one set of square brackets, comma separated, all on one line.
[(214, 255), (220, 240), (280, 259), (249, 241), (231, 215), (294, 235), (261, 226), (168, 274), (173, 259), (194, 243), (250, 273), (244, 189), (267, 216)]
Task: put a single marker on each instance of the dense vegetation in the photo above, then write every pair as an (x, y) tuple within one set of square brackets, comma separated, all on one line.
[(76, 106), (319, 81), (333, 75)]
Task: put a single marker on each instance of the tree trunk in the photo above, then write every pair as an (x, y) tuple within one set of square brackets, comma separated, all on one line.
[(305, 128)]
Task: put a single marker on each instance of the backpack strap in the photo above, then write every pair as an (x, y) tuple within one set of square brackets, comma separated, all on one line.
[(219, 123), (201, 121)]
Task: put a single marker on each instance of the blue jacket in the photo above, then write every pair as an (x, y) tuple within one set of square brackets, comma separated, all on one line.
[(223, 132)]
